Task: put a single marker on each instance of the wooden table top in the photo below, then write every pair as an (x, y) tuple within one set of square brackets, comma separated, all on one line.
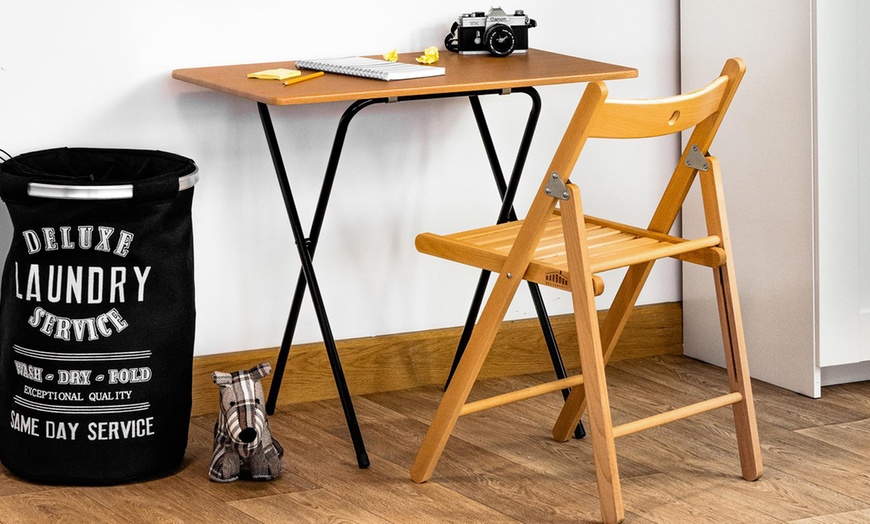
[(463, 73)]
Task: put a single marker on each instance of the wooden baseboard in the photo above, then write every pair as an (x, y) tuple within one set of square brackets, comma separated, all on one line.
[(406, 360)]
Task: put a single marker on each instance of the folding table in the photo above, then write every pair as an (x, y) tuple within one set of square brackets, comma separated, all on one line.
[(466, 76)]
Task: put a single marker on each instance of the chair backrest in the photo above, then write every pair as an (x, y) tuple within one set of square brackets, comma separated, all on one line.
[(597, 116), (656, 117)]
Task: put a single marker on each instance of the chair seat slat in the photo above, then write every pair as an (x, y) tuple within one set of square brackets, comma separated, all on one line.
[(611, 245)]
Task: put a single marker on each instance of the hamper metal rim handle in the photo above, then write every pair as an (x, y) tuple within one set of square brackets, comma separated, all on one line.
[(114, 192)]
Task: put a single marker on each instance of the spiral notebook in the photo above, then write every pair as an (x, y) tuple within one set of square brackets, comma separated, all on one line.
[(371, 68)]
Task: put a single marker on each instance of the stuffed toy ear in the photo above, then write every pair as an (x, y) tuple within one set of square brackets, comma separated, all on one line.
[(260, 371), (221, 379)]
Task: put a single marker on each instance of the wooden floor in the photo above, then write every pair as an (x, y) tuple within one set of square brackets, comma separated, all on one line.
[(501, 465)]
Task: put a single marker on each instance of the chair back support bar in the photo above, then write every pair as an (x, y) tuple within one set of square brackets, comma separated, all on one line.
[(702, 136)]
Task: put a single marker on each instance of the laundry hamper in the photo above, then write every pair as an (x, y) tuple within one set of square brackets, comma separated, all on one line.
[(96, 314)]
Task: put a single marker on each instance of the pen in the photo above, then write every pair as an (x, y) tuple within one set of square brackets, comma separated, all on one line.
[(303, 78)]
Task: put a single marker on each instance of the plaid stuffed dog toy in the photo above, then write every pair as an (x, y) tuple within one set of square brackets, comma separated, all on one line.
[(242, 440)]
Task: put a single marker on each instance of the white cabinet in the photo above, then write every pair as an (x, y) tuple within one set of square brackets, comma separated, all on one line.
[(797, 193)]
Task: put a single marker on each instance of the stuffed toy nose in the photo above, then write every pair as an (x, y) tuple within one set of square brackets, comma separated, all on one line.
[(248, 435)]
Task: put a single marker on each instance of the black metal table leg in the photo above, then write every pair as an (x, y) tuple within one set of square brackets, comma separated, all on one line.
[(317, 222), (311, 244), (307, 245), (313, 288)]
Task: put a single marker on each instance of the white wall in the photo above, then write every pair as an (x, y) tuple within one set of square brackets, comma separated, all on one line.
[(97, 73)]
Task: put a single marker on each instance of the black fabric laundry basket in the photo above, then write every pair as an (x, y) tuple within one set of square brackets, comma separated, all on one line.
[(96, 314)]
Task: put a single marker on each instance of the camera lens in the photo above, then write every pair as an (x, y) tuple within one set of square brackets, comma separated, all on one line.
[(500, 39)]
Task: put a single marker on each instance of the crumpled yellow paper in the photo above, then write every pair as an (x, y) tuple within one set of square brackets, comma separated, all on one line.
[(430, 55), (392, 56)]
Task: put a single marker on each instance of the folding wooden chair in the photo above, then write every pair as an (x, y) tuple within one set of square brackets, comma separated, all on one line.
[(562, 248)]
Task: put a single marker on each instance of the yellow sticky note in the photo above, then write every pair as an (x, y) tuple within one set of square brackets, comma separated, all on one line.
[(275, 74)]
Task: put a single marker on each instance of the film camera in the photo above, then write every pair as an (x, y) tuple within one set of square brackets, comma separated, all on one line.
[(494, 32)]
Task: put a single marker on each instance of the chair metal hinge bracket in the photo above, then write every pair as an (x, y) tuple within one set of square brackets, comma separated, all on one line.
[(506, 91), (556, 188), (696, 159)]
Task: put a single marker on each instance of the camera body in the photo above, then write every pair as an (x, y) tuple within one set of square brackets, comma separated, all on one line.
[(494, 32)]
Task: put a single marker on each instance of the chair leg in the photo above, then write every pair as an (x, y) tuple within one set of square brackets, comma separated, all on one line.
[(592, 361), (466, 373), (732, 325), (612, 328), (600, 426), (482, 338), (738, 374)]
